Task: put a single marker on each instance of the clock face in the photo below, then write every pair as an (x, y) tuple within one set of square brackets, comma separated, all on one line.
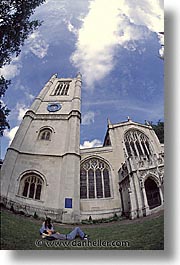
[(52, 107)]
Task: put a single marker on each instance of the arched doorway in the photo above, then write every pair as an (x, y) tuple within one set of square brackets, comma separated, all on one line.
[(152, 193)]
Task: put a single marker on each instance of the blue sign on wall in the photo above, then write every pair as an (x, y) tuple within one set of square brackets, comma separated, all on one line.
[(68, 202)]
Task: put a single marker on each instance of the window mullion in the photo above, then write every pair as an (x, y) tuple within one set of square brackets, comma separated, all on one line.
[(87, 177), (132, 151), (146, 148), (35, 189), (29, 188), (95, 191), (102, 179), (139, 141), (136, 147)]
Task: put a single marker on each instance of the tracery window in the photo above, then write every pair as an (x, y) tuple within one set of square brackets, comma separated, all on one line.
[(94, 179), (137, 143), (62, 88), (45, 134), (31, 186)]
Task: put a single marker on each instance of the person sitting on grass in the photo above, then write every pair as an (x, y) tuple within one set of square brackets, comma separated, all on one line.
[(47, 231), (47, 227)]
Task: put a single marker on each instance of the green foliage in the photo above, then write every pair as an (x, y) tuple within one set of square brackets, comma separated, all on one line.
[(3, 85), (159, 130), (35, 215), (102, 220), (4, 112), (15, 26)]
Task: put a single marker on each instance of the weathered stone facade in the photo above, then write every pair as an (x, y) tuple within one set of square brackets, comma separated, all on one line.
[(46, 173)]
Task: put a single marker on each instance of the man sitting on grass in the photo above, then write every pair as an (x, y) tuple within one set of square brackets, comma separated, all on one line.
[(47, 231)]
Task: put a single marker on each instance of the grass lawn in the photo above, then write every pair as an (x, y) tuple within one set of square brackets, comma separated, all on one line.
[(19, 232)]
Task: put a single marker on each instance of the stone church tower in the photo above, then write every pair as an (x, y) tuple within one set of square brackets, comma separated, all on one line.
[(40, 172), (46, 173)]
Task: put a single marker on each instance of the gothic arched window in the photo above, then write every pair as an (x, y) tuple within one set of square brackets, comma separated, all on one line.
[(31, 186), (94, 179), (137, 143), (45, 134)]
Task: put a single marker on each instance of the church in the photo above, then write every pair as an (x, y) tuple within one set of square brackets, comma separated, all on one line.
[(46, 173)]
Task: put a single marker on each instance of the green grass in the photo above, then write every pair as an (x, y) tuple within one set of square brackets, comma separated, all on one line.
[(19, 232)]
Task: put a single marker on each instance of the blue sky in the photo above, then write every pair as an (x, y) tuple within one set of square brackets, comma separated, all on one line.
[(114, 44)]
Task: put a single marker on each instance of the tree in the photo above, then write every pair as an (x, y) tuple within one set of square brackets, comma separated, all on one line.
[(3, 85), (15, 27), (4, 111), (159, 130)]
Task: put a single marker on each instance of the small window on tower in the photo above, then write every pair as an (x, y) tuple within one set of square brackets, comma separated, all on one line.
[(45, 134), (62, 88)]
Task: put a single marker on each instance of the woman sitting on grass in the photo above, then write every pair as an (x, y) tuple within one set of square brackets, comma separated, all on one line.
[(47, 231)]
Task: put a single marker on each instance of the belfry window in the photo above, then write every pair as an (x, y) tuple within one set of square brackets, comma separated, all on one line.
[(94, 179), (137, 144), (62, 88), (45, 134), (31, 187)]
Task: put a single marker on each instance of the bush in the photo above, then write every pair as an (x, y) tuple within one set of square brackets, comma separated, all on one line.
[(35, 215), (102, 220), (12, 209)]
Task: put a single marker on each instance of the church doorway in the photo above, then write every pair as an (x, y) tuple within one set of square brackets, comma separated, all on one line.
[(152, 193)]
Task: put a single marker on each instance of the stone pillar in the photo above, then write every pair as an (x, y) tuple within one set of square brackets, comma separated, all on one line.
[(146, 206), (122, 200), (140, 204), (133, 203), (161, 195)]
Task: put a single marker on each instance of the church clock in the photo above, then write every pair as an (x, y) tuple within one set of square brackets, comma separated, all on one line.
[(53, 107)]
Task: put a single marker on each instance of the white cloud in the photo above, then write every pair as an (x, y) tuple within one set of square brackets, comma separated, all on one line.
[(11, 70), (19, 113), (109, 25), (161, 41), (71, 28), (88, 118), (21, 108), (10, 134), (147, 13), (2, 103), (37, 45), (90, 144), (27, 96)]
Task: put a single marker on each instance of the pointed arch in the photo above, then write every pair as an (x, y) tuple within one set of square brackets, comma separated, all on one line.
[(32, 171), (95, 178), (137, 143), (152, 193), (153, 177), (32, 185)]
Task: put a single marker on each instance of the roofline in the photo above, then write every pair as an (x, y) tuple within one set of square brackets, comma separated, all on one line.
[(124, 123), (96, 149), (129, 122)]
